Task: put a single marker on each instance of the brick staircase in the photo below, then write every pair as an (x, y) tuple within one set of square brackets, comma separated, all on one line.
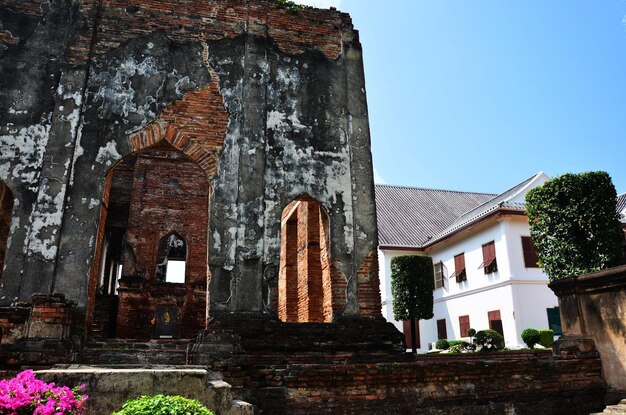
[(619, 409), (118, 352)]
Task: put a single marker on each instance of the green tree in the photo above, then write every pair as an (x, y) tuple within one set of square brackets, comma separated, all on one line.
[(412, 284), (574, 224)]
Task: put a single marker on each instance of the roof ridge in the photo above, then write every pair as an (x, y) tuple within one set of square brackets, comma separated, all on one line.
[(501, 193), (399, 186)]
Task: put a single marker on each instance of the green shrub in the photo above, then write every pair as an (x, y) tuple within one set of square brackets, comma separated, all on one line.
[(460, 346), (574, 224), (471, 332), (546, 338), (488, 341), (531, 337), (442, 344), (163, 405)]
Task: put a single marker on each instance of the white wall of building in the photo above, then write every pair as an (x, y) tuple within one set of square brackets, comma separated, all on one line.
[(384, 263), (521, 294)]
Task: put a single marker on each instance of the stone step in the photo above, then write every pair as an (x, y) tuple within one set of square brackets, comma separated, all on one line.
[(154, 352), (619, 409), (109, 387)]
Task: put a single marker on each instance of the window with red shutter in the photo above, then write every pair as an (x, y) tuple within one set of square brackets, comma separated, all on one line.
[(489, 263), (530, 252), (464, 325), (459, 268)]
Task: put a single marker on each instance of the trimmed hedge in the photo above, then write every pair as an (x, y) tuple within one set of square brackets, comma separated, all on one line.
[(574, 224), (442, 344), (546, 338), (412, 284), (489, 341), (531, 337)]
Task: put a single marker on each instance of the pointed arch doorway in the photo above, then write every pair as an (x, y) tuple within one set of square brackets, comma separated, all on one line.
[(149, 279)]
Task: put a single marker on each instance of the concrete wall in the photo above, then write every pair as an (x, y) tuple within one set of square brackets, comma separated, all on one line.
[(594, 305)]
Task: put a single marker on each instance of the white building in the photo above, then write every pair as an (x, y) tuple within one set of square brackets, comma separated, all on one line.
[(621, 207), (486, 274)]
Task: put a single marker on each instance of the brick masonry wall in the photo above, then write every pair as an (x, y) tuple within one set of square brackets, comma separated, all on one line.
[(13, 323), (524, 385), (170, 194), (305, 289), (369, 287)]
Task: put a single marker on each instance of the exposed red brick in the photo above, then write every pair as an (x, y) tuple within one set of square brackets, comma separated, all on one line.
[(305, 291)]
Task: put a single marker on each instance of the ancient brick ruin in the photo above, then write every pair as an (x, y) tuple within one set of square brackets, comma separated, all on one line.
[(199, 173), (126, 124)]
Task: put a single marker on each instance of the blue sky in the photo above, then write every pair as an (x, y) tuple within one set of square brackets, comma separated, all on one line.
[(479, 95)]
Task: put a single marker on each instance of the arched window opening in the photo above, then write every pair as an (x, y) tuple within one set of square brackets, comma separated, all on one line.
[(305, 292), (171, 259), (6, 211)]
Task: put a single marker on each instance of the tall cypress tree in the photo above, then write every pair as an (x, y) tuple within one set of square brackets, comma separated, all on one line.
[(412, 284)]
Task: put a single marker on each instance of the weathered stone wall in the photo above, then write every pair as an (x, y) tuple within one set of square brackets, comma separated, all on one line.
[(269, 104), (594, 306)]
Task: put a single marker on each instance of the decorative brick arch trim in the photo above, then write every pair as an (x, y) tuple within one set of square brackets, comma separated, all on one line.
[(160, 131), (195, 125)]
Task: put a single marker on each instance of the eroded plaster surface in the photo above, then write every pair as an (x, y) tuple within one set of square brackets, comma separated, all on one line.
[(297, 125)]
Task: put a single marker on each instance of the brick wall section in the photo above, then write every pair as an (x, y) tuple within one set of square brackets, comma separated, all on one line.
[(369, 287), (527, 385), (288, 273), (196, 21), (327, 285), (195, 125), (305, 289), (13, 323), (170, 194), (6, 209)]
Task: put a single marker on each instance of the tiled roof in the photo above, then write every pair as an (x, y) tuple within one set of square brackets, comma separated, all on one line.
[(408, 216), (503, 200)]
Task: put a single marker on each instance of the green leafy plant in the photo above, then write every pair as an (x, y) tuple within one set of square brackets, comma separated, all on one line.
[(412, 283), (471, 332), (546, 338), (531, 337), (488, 341), (460, 346), (574, 224), (442, 344), (290, 6), (163, 405)]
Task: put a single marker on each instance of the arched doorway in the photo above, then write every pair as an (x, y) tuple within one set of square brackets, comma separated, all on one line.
[(152, 272), (305, 288), (6, 211)]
